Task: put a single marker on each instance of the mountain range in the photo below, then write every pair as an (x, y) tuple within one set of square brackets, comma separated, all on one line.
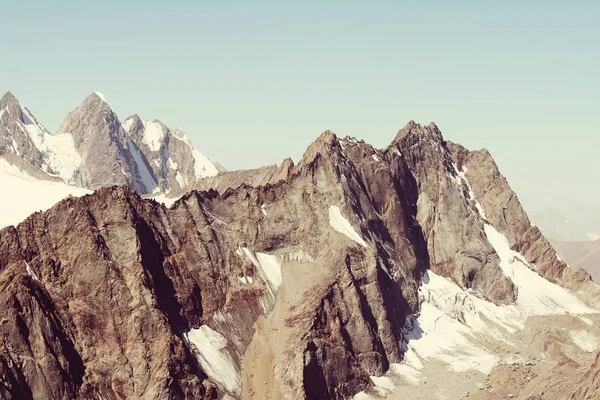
[(94, 149), (408, 272), (555, 225)]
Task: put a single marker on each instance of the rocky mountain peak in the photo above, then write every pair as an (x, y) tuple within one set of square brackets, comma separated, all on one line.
[(326, 144), (418, 131), (8, 97), (133, 123)]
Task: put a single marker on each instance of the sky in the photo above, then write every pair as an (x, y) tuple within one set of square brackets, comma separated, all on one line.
[(254, 82)]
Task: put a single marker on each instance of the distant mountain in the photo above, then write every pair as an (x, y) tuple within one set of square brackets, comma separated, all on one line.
[(555, 225), (93, 149), (174, 161), (22, 135), (584, 255)]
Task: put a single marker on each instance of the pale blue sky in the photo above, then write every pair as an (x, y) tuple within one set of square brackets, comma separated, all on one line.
[(255, 82)]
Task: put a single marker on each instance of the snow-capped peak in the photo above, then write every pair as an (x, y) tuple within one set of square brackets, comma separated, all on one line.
[(103, 98)]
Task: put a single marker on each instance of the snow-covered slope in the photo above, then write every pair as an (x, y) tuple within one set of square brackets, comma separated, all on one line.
[(30, 140), (23, 195), (455, 324)]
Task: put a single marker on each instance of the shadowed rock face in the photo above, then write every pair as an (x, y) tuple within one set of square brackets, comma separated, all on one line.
[(98, 295)]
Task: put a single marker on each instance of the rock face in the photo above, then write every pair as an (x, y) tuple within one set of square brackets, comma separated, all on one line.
[(295, 282), (108, 154), (172, 157)]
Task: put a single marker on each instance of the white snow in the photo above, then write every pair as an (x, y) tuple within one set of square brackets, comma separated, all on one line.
[(102, 98), (153, 134), (408, 373), (203, 166), (374, 156), (269, 268), (383, 385), (30, 272), (63, 158), (60, 150), (268, 265), (585, 340), (213, 356), (362, 396), (451, 317), (245, 280), (171, 164), (167, 201), (180, 179), (537, 296), (144, 173), (24, 195), (342, 225), (262, 209), (462, 178)]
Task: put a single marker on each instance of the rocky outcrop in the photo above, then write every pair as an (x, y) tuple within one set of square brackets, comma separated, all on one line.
[(288, 282)]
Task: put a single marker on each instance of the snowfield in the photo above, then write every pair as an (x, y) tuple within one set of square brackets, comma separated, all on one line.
[(23, 195)]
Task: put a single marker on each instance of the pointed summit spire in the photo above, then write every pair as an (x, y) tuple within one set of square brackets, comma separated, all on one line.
[(408, 128), (8, 98)]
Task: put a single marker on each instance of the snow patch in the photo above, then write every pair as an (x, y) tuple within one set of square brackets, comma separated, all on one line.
[(374, 156), (63, 158), (245, 280), (30, 272), (143, 172), (269, 267), (408, 373), (585, 340), (101, 96), (262, 209), (342, 225), (362, 396), (24, 194), (383, 385), (203, 166), (167, 201), (213, 356), (153, 135), (536, 295)]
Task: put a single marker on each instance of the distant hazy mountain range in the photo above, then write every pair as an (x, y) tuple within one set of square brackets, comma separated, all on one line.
[(555, 225)]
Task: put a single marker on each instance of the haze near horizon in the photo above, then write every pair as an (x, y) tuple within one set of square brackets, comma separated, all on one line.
[(254, 84)]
